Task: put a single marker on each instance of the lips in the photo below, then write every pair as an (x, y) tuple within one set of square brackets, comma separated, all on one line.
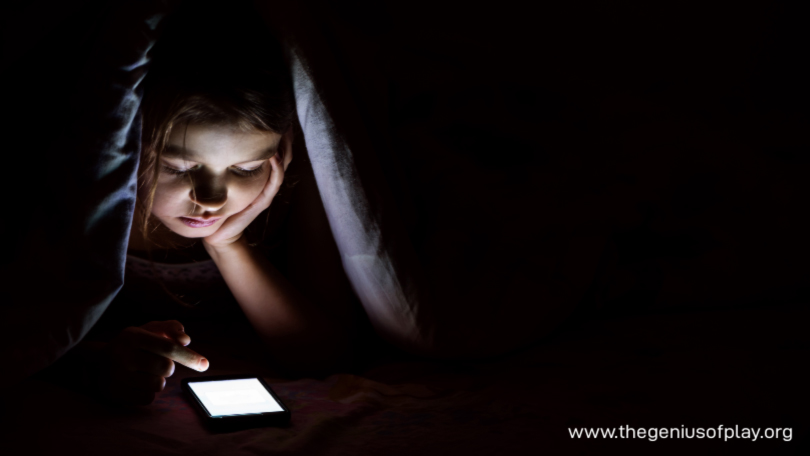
[(198, 222)]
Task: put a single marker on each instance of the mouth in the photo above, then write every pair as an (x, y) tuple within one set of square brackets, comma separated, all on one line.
[(198, 222)]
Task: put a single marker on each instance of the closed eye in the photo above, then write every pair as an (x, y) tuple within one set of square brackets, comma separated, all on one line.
[(242, 172), (177, 172), (248, 172)]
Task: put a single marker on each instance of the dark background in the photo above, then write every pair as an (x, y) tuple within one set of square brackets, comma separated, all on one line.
[(674, 132)]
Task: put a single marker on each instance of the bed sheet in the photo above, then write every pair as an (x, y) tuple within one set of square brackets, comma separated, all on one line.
[(741, 367)]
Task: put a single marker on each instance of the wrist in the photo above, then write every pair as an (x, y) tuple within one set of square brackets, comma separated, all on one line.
[(217, 251)]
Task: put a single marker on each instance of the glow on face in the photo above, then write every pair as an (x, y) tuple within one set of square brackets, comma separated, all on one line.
[(209, 173)]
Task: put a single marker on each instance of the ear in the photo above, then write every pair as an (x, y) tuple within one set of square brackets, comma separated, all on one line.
[(285, 147)]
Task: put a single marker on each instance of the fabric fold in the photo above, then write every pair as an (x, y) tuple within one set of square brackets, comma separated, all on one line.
[(70, 265)]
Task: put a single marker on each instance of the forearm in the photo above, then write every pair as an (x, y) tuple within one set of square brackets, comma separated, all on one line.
[(295, 332)]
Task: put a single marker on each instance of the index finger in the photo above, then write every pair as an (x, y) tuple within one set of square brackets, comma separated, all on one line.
[(287, 145), (278, 168), (171, 329), (167, 348), (273, 184)]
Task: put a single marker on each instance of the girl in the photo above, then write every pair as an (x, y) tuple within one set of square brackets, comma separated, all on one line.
[(218, 117)]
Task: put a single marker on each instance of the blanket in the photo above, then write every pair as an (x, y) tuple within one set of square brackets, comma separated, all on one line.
[(731, 368), (487, 174)]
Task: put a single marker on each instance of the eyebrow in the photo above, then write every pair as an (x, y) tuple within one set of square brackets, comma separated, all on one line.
[(173, 151)]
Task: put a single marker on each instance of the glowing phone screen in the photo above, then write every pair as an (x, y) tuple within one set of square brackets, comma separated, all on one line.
[(235, 397)]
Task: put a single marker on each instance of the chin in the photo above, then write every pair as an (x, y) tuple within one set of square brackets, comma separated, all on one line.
[(195, 232), (192, 235)]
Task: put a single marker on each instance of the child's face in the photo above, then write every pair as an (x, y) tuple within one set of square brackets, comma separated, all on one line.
[(208, 173)]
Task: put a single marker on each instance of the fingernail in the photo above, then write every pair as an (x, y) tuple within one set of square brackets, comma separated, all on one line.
[(203, 365)]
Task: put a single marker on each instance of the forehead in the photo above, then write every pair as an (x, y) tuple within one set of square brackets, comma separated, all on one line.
[(218, 144)]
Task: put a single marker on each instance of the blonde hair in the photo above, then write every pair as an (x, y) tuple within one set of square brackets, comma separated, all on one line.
[(219, 79)]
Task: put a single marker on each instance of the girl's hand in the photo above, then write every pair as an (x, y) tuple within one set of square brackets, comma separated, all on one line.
[(134, 366), (235, 225)]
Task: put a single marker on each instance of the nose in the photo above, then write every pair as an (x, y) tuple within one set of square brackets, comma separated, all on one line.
[(208, 195)]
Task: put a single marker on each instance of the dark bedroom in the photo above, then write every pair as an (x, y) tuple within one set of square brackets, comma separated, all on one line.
[(404, 228)]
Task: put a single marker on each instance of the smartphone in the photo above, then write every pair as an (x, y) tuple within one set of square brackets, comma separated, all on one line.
[(229, 402)]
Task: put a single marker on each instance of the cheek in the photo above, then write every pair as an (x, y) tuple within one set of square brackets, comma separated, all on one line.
[(244, 191), (169, 196)]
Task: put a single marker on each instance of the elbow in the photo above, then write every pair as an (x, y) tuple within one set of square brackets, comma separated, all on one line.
[(308, 357)]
